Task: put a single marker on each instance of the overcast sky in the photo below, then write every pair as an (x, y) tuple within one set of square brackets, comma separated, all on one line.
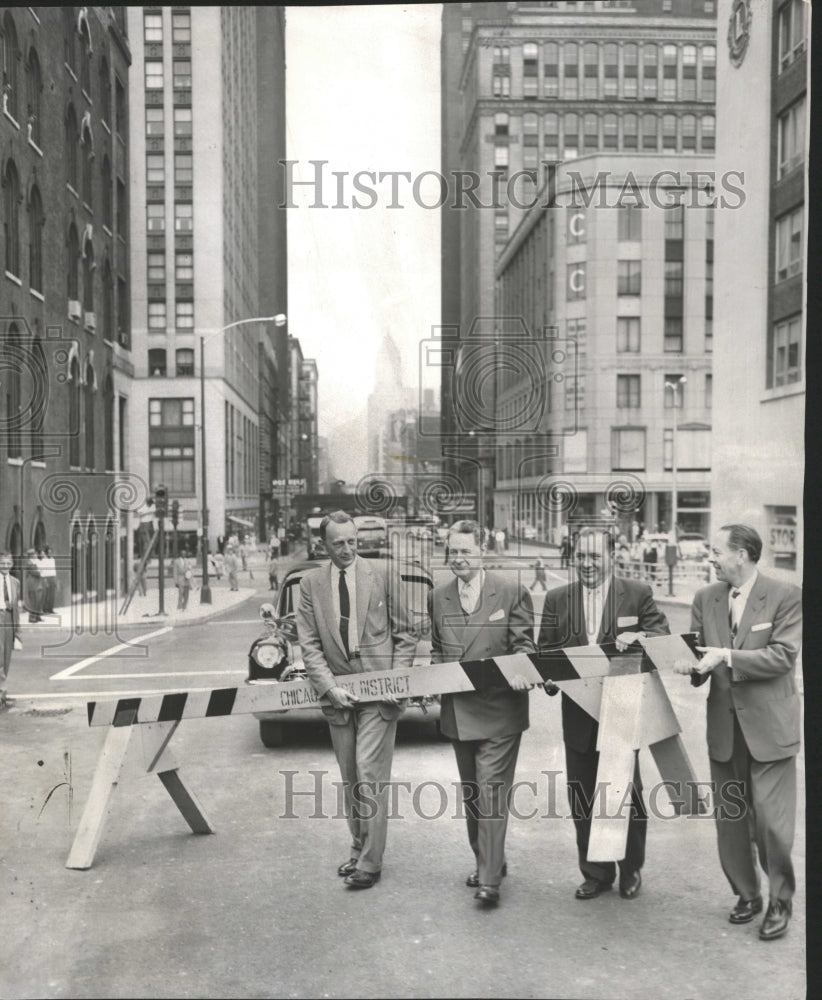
[(362, 93)]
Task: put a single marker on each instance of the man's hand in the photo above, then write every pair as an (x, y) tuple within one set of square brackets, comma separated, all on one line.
[(626, 639), (340, 698), (392, 699), (684, 667), (519, 683), (712, 658), (550, 688)]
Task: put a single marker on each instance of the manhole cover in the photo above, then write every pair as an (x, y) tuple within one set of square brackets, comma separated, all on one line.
[(48, 711)]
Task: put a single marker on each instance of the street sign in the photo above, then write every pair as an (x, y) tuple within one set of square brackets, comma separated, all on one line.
[(288, 484)]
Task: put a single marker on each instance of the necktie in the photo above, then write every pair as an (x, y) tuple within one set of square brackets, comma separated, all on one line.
[(345, 612), (591, 623), (466, 599), (732, 614)]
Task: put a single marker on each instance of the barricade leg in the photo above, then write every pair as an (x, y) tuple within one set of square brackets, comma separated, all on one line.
[(676, 771)]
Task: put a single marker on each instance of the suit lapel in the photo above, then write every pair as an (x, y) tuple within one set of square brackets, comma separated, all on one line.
[(721, 616), (612, 603), (753, 606), (453, 615), (327, 605), (364, 583), (488, 602), (575, 613)]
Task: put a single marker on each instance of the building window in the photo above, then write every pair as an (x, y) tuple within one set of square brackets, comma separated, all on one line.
[(674, 279), (171, 444), (501, 124), (650, 63), (36, 221), (610, 132), (71, 147), (108, 303), (153, 27), (530, 69), (630, 132), (628, 335), (155, 121), (108, 423), (502, 86), (571, 146), (105, 93), (708, 89), (789, 244), (786, 355), (34, 85), (791, 134), (157, 361), (628, 392), (793, 30), (688, 73), (675, 223), (689, 133), (155, 217), (155, 168), (570, 83), (108, 194), (650, 132), (590, 133), (709, 392), (89, 418), (591, 70), (611, 70), (85, 60), (157, 266), (708, 123), (154, 74), (185, 315), (182, 121), (184, 361), (782, 536), (184, 267), (629, 277), (12, 384), (630, 72), (156, 316), (576, 281), (673, 399), (123, 314), (673, 335), (501, 158), (122, 210), (669, 72), (575, 393), (628, 449), (629, 223), (69, 36), (551, 136), (75, 390), (550, 69), (669, 132), (184, 216), (11, 223), (88, 277), (182, 74), (40, 370), (693, 449), (87, 153), (11, 56), (181, 27), (72, 253), (120, 108)]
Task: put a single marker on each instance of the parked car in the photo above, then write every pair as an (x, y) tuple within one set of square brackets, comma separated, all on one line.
[(275, 657), (694, 545)]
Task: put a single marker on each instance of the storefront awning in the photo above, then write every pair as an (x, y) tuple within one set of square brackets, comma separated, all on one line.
[(239, 520)]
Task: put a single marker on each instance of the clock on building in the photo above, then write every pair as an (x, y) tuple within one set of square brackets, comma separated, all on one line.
[(739, 31)]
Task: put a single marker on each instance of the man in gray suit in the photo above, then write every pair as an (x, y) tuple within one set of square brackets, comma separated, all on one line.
[(477, 615), (9, 622), (750, 627), (350, 622)]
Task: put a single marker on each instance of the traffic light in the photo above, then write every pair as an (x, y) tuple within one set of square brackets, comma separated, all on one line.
[(161, 500), (175, 512)]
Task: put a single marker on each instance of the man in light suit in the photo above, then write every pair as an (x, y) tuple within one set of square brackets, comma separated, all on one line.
[(598, 608), (478, 615), (9, 623), (750, 627), (349, 622)]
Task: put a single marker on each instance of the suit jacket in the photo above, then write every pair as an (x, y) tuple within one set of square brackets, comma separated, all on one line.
[(630, 608), (502, 623), (760, 686), (9, 634), (384, 641)]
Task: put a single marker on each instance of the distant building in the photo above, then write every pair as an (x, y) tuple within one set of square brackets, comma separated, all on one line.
[(759, 361)]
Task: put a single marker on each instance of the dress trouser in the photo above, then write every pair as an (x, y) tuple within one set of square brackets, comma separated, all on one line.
[(486, 769), (364, 746), (6, 646), (755, 807), (582, 779)]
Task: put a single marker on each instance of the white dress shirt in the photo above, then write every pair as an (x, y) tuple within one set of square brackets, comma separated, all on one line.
[(593, 605), (470, 592), (351, 583)]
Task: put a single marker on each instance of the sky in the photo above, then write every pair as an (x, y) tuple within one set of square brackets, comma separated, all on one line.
[(363, 94)]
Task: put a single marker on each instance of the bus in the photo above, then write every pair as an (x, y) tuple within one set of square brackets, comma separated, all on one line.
[(372, 535)]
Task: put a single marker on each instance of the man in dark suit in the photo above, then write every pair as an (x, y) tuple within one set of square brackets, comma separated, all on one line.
[(9, 623), (350, 622), (598, 608), (750, 626), (477, 615)]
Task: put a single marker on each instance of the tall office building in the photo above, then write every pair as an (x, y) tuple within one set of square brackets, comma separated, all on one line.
[(207, 129), (542, 83), (759, 362), (65, 289)]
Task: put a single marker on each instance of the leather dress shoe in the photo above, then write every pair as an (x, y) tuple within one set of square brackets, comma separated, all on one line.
[(745, 910), (776, 920), (591, 888), (359, 879), (487, 894), (347, 867), (473, 879), (629, 885)]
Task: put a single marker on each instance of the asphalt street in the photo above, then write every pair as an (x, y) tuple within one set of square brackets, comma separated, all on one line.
[(257, 910)]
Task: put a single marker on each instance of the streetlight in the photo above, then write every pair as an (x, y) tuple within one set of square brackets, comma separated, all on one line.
[(278, 320), (675, 390)]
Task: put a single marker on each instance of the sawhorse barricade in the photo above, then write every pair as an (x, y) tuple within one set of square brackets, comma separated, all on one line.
[(623, 690)]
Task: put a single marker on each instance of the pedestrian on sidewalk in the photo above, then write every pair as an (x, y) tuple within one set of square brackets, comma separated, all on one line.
[(183, 576), (273, 570), (34, 588), (9, 624), (232, 563), (140, 576), (539, 574), (48, 572)]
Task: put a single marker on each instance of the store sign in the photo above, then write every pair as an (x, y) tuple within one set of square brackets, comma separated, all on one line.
[(783, 538)]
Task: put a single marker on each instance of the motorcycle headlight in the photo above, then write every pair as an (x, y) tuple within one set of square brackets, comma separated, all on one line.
[(268, 655)]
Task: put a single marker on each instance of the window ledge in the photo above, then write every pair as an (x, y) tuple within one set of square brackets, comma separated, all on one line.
[(14, 278), (106, 230), (14, 461), (37, 465), (86, 95), (34, 14), (12, 119), (783, 392), (88, 207), (35, 147), (76, 195), (37, 295), (72, 74), (105, 125)]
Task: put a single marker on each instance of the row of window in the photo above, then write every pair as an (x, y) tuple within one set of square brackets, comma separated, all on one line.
[(171, 444), (629, 391), (183, 315), (608, 71), (155, 121), (180, 26), (79, 161), (180, 76), (791, 138), (183, 361), (156, 217), (793, 31), (183, 266)]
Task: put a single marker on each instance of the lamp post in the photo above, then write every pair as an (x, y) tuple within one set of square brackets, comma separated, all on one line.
[(675, 388), (278, 320)]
